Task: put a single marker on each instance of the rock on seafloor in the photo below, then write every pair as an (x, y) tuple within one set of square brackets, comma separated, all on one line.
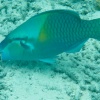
[(74, 76), (98, 4)]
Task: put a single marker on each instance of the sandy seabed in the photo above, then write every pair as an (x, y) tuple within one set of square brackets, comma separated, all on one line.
[(74, 76)]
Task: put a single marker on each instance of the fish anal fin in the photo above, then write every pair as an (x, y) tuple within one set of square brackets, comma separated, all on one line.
[(76, 48)]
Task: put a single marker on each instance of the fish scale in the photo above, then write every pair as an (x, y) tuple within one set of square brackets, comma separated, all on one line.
[(56, 24), (44, 36)]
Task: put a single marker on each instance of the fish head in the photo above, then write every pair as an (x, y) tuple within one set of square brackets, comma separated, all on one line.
[(15, 51)]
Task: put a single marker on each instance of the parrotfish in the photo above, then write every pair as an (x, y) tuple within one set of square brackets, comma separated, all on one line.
[(48, 34)]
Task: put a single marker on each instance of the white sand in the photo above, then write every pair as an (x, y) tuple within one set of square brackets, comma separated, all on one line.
[(73, 76)]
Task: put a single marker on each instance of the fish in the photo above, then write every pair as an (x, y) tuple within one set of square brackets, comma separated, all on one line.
[(46, 35)]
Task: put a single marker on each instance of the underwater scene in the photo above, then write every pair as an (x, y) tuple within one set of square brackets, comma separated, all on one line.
[(49, 49)]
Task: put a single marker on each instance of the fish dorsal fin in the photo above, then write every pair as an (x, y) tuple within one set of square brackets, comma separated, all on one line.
[(71, 12)]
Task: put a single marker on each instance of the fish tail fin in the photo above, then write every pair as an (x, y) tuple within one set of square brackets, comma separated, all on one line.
[(95, 29)]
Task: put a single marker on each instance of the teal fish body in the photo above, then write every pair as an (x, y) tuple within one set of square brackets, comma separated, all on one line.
[(48, 34)]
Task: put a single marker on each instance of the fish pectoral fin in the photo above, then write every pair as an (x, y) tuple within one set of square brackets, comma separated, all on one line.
[(48, 60), (26, 45)]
